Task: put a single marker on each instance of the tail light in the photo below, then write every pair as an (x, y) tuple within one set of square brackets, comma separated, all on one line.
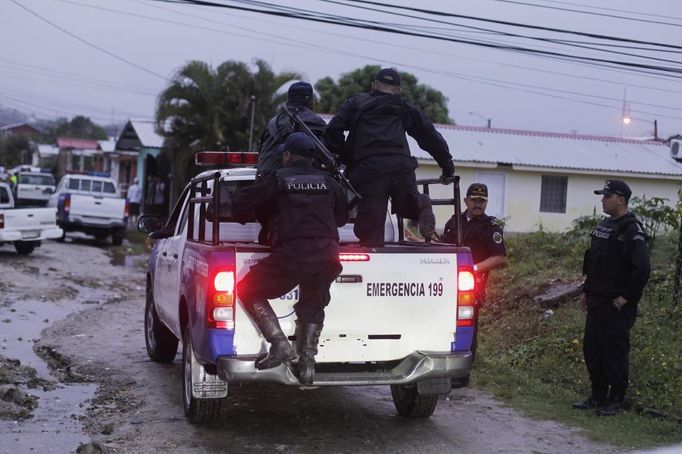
[(221, 300), (2, 221), (466, 300), (125, 213)]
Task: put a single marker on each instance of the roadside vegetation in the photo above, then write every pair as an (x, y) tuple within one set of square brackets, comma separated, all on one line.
[(531, 356)]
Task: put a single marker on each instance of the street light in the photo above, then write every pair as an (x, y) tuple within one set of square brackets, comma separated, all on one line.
[(489, 120)]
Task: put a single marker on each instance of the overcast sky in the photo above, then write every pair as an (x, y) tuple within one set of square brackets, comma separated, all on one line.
[(110, 59)]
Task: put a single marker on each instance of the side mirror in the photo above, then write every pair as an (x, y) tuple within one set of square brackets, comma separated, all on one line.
[(149, 223)]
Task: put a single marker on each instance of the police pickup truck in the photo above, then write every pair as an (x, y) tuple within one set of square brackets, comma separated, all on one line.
[(25, 227), (90, 204), (402, 315)]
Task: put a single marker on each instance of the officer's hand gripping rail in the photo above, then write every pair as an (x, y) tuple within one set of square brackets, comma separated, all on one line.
[(455, 202), (327, 157)]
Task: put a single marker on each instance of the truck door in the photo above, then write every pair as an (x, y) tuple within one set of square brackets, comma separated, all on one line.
[(168, 269)]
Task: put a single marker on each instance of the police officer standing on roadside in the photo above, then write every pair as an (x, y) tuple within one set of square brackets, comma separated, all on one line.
[(307, 206), (617, 268), (481, 233), (300, 100), (378, 159)]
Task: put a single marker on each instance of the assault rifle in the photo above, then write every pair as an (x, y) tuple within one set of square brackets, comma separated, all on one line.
[(327, 157)]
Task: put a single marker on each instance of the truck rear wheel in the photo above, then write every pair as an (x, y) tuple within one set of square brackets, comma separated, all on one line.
[(199, 411), (411, 404), (24, 247), (161, 344)]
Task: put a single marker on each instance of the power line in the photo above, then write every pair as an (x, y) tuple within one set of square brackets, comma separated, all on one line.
[(88, 43), (614, 16), (664, 70), (602, 8)]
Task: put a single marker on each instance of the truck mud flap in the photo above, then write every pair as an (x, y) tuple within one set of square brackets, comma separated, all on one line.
[(434, 386)]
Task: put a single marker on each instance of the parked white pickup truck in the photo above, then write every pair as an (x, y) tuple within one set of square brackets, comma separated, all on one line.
[(92, 205), (25, 227), (402, 315)]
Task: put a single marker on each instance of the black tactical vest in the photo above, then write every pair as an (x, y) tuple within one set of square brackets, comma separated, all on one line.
[(276, 132), (378, 126), (605, 264), (305, 206)]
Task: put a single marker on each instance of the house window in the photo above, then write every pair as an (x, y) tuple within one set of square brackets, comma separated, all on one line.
[(553, 194)]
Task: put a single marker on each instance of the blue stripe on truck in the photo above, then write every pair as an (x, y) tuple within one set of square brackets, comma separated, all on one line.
[(463, 339)]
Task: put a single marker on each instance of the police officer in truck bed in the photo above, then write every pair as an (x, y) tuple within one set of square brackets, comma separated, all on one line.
[(617, 268), (481, 233), (306, 207), (379, 162)]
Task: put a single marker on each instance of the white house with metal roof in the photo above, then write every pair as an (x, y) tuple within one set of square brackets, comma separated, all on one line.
[(540, 179)]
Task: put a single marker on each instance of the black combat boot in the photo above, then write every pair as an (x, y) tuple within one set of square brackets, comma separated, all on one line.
[(307, 338), (588, 404), (280, 349), (427, 220), (613, 405)]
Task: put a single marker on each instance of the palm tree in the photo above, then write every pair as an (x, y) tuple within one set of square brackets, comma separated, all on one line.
[(209, 109)]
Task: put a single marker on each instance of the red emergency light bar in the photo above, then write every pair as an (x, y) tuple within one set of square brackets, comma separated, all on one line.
[(219, 158)]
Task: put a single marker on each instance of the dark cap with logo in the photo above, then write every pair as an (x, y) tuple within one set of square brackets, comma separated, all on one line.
[(389, 76), (615, 187), (478, 191), (300, 144), (300, 91)]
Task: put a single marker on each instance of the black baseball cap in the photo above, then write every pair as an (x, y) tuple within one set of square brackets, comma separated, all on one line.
[(615, 187), (300, 91), (478, 191), (389, 76), (300, 144)]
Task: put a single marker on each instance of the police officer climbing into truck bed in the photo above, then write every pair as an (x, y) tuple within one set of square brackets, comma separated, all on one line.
[(378, 159), (306, 207), (617, 268)]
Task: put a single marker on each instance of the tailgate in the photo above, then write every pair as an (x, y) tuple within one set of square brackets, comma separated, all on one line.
[(30, 222), (381, 309), (97, 208)]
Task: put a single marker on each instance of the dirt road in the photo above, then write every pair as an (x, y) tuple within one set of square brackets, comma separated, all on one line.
[(93, 389)]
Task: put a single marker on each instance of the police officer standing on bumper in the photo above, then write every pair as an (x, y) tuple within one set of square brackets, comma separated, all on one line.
[(307, 206), (617, 269), (378, 159), (481, 233)]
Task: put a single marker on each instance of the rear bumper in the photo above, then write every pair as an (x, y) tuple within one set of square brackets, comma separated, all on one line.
[(413, 368), (90, 224), (30, 235)]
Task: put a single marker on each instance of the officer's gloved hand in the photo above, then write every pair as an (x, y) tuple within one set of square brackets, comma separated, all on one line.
[(448, 172)]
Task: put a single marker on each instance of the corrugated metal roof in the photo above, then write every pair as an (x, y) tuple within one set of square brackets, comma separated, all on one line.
[(561, 151), (46, 150), (144, 128), (108, 145)]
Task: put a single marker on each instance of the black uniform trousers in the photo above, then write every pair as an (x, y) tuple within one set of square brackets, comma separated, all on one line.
[(272, 279), (399, 186), (606, 348)]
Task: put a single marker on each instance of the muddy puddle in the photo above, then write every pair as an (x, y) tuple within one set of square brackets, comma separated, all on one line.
[(48, 430)]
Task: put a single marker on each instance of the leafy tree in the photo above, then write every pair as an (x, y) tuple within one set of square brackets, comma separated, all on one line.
[(78, 127), (14, 150), (654, 214), (333, 94), (206, 108)]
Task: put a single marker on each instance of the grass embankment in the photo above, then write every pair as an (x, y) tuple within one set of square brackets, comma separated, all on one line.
[(533, 359)]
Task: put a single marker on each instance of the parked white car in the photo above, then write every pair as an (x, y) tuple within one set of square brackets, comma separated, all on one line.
[(34, 188)]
